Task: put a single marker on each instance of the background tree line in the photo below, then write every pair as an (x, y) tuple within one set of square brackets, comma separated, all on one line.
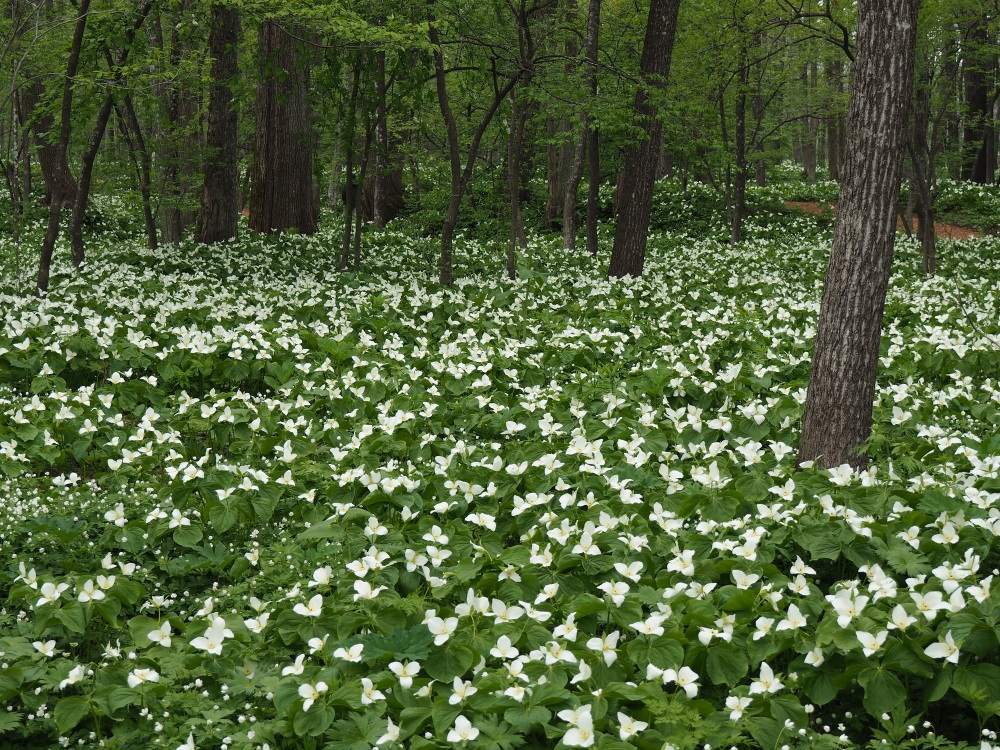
[(498, 110), (514, 110)]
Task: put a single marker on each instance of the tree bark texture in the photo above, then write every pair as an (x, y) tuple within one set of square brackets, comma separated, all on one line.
[(61, 177), (635, 196), (979, 153), (282, 195), (44, 132), (838, 411), (218, 217), (922, 168)]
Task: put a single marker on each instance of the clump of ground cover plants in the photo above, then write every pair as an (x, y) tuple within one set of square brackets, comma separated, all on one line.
[(249, 502)]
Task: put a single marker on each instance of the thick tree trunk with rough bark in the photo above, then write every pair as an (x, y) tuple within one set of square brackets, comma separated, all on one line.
[(635, 196), (282, 196), (838, 411), (218, 219)]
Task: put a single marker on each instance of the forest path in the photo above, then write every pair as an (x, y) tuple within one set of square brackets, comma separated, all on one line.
[(943, 230)]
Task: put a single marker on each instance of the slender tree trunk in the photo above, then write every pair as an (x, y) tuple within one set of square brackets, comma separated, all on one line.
[(60, 179), (922, 167), (979, 124), (517, 118), (83, 188), (141, 163), (359, 216), (381, 144), (587, 134), (97, 137), (810, 124), (593, 137), (835, 121), (351, 190), (282, 195), (636, 196), (553, 175), (459, 177), (218, 219), (740, 181), (838, 411)]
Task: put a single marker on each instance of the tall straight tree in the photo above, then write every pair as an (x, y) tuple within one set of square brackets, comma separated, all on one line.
[(838, 411), (636, 196), (282, 192), (220, 205)]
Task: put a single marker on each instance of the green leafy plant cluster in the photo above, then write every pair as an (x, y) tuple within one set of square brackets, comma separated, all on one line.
[(250, 502)]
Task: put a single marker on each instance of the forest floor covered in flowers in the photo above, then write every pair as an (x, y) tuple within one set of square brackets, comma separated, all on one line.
[(252, 502)]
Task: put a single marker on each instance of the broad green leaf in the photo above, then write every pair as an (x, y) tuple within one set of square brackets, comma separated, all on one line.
[(70, 711)]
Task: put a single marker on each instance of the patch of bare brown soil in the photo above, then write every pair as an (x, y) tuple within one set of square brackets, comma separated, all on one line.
[(943, 231)]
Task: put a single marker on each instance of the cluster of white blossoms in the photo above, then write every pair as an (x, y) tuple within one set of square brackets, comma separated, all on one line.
[(491, 493)]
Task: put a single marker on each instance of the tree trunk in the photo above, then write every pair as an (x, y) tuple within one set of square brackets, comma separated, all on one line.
[(282, 195), (517, 118), (97, 137), (636, 195), (459, 177), (740, 181), (838, 410), (218, 219), (922, 166), (835, 121), (351, 185), (142, 163), (553, 174), (810, 124), (979, 161), (379, 208), (586, 135), (62, 177), (44, 131)]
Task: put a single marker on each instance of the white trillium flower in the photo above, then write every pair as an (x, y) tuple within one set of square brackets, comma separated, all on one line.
[(311, 693), (945, 649), (463, 731), (139, 676), (314, 607)]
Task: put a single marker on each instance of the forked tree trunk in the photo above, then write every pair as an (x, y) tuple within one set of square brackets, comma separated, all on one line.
[(838, 410), (141, 162), (60, 179), (282, 195), (97, 137), (459, 176), (218, 219), (636, 193)]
